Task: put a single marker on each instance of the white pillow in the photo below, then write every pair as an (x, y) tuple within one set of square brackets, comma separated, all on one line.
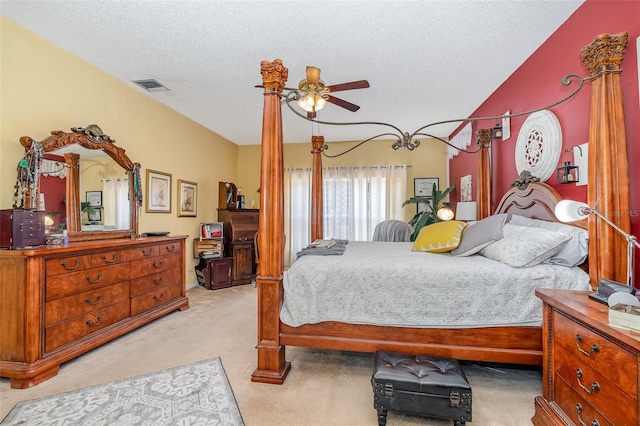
[(573, 253), (522, 247)]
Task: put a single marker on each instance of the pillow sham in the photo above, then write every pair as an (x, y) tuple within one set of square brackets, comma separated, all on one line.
[(522, 247), (573, 253), (481, 234), (440, 237)]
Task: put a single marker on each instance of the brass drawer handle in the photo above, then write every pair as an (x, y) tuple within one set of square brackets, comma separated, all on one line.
[(594, 387), (158, 281), (147, 252), (579, 410), (157, 264), (70, 268), (115, 257), (594, 348), (94, 324), (157, 299), (89, 301), (170, 248), (97, 280)]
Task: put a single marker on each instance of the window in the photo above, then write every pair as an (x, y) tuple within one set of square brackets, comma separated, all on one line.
[(355, 200)]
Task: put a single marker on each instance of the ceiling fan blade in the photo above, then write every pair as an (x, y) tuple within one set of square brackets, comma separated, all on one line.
[(342, 103), (360, 84), (313, 75)]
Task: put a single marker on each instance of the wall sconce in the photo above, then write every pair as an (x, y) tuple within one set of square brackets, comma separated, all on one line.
[(496, 132), (567, 173)]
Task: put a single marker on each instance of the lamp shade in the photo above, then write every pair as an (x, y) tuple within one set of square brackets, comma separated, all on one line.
[(445, 212), (570, 211), (467, 210)]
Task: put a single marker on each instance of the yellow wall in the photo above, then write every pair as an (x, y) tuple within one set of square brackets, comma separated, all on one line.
[(44, 88), (428, 160)]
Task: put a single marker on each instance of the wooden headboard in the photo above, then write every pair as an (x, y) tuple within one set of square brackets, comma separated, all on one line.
[(536, 200)]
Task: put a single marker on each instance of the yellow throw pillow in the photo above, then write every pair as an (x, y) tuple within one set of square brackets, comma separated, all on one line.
[(440, 237)]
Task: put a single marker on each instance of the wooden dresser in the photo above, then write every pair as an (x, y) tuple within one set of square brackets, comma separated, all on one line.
[(240, 227), (590, 370), (60, 302)]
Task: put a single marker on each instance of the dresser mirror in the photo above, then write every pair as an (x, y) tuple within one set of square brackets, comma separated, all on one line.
[(87, 185)]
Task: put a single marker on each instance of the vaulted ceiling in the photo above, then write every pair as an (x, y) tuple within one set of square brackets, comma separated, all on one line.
[(426, 61)]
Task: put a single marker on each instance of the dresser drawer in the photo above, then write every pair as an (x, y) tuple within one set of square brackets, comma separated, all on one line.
[(65, 265), (143, 267), (142, 252), (155, 298), (170, 248), (107, 258), (596, 389), (83, 325), (597, 352), (78, 282), (68, 307), (576, 407), (154, 281)]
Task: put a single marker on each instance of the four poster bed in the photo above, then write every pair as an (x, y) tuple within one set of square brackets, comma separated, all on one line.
[(513, 343)]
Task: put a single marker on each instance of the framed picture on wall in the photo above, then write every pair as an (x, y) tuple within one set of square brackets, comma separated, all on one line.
[(423, 187), (94, 198), (158, 192), (187, 198)]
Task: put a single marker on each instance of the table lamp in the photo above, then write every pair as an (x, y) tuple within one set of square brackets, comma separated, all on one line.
[(570, 211), (467, 210)]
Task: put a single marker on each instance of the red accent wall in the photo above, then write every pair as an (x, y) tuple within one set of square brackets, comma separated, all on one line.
[(537, 83)]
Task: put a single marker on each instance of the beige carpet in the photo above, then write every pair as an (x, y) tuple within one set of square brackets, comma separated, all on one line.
[(323, 387)]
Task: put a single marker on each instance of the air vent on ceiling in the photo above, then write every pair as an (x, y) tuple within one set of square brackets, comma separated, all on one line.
[(151, 85)]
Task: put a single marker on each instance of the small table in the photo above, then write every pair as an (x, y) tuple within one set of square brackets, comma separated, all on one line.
[(590, 370)]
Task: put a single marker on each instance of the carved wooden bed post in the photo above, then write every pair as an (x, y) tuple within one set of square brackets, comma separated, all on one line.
[(317, 210), (483, 138), (272, 366), (608, 161)]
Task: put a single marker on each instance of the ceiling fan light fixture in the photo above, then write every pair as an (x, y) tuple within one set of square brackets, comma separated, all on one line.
[(312, 101)]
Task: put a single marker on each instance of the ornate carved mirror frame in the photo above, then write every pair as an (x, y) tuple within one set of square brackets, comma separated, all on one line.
[(90, 137)]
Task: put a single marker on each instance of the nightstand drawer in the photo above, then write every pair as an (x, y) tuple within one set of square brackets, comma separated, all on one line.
[(597, 352), (577, 408), (596, 389)]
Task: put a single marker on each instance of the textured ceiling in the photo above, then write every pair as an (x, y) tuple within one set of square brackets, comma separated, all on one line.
[(426, 61)]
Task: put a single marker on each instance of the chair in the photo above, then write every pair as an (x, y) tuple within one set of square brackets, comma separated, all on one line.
[(392, 230)]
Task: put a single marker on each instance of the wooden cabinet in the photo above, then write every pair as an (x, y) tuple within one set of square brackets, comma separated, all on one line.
[(240, 227), (21, 228), (60, 302), (590, 370), (213, 274)]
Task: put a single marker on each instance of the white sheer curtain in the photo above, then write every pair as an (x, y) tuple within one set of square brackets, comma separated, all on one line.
[(355, 200), (297, 211), (115, 202)]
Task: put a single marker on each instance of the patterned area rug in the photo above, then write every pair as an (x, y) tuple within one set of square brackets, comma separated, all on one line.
[(194, 394)]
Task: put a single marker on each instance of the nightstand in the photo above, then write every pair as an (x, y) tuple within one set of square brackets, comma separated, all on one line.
[(590, 370)]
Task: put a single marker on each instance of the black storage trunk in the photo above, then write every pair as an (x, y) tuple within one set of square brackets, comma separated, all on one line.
[(421, 385)]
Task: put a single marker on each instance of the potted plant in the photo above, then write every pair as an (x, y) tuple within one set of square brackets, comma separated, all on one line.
[(429, 214)]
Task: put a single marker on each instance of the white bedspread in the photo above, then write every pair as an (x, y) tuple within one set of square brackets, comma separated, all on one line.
[(386, 283)]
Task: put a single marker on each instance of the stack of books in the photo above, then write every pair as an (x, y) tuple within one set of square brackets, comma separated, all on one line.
[(625, 316)]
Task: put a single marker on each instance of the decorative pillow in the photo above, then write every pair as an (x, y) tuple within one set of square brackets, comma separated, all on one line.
[(522, 246), (481, 234), (571, 254), (440, 237)]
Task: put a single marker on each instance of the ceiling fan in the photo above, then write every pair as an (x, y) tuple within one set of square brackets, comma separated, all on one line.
[(314, 95)]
